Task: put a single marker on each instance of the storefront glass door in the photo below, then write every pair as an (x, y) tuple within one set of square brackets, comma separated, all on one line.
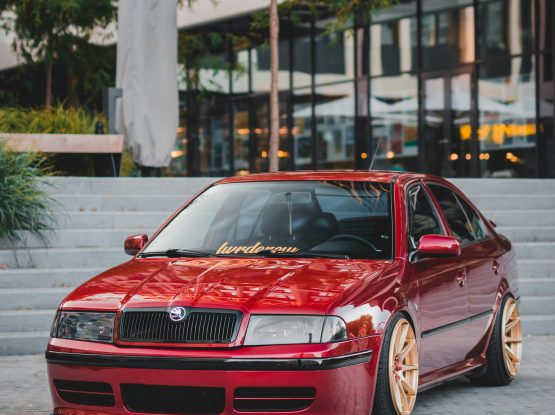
[(448, 123)]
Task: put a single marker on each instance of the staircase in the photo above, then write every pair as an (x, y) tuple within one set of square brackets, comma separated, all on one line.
[(100, 212), (97, 215), (524, 211)]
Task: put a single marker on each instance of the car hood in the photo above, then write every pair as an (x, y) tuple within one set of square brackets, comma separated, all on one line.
[(249, 284)]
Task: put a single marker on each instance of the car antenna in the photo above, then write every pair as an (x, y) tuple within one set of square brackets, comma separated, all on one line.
[(375, 152)]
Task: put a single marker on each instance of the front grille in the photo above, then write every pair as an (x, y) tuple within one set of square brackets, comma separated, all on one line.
[(199, 326), (85, 393), (273, 399), (173, 399)]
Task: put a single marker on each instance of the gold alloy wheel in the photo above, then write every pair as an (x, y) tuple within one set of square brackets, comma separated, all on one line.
[(512, 337), (403, 367)]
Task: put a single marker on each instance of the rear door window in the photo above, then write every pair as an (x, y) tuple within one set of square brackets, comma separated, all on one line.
[(454, 214)]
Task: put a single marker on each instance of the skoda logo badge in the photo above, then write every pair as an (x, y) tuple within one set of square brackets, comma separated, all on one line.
[(178, 314)]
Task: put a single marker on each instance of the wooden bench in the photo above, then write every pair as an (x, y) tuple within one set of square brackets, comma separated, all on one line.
[(106, 149)]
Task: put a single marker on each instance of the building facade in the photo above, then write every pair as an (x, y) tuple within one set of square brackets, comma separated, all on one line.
[(459, 88)]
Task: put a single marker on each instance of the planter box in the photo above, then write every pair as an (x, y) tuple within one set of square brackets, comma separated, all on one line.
[(105, 149)]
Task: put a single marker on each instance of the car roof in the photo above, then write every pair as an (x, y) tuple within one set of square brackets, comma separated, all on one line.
[(381, 176)]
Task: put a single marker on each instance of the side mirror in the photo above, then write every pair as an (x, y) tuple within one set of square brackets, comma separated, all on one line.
[(134, 244), (438, 246)]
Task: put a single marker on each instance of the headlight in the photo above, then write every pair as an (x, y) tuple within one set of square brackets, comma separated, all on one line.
[(96, 327), (286, 329)]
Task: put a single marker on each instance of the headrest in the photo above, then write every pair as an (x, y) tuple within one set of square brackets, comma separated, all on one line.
[(275, 219)]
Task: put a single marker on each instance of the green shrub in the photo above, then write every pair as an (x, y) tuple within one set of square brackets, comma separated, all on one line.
[(57, 120), (24, 202)]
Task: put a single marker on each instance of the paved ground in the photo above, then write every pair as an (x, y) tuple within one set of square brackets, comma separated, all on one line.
[(23, 388)]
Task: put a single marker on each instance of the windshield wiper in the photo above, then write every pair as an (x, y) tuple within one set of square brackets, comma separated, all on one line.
[(175, 253), (273, 254)]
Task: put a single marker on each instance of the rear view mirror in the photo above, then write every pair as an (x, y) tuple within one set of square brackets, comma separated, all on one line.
[(438, 246), (133, 244)]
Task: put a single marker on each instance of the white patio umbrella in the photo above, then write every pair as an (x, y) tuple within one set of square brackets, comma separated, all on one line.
[(147, 74), (460, 102), (343, 107)]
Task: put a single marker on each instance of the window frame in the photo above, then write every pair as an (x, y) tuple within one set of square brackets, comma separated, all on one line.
[(445, 230), (458, 196)]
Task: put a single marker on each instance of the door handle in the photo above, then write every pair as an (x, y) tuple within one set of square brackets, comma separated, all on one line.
[(495, 266), (461, 277)]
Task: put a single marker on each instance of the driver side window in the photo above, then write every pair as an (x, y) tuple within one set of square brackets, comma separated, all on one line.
[(423, 219)]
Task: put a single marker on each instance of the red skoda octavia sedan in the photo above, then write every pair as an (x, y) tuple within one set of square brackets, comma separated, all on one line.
[(335, 293)]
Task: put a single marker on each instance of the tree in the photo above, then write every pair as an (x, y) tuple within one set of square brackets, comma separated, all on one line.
[(342, 10), (50, 31), (274, 98)]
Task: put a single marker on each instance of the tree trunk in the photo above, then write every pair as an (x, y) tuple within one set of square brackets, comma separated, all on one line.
[(48, 92), (73, 100), (274, 97)]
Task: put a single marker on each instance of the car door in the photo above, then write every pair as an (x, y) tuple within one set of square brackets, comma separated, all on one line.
[(443, 302), (478, 252)]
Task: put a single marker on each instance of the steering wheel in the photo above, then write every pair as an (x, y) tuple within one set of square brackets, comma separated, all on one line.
[(344, 236)]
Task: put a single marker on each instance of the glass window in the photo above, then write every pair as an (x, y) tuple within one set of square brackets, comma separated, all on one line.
[(505, 27), (546, 24), (507, 121), (422, 216), (302, 134), (476, 225), (394, 117), (335, 125), (447, 33), (261, 75), (302, 56), (241, 133), (393, 47), (261, 133), (454, 214), (214, 72), (213, 137), (334, 54), (240, 69), (399, 10), (293, 218), (546, 92)]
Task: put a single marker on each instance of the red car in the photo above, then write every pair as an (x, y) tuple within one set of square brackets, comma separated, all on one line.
[(319, 293)]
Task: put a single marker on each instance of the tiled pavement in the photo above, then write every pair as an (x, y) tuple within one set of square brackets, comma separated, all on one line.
[(23, 388)]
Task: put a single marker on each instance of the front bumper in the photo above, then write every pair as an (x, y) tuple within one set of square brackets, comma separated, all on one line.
[(343, 384)]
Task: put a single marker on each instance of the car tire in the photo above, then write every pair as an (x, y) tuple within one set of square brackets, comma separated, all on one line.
[(505, 347), (397, 368)]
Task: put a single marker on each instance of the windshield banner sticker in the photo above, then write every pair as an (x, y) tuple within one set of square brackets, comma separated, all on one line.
[(226, 248)]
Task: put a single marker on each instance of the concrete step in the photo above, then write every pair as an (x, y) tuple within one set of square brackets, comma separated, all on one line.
[(538, 325), (46, 277), (121, 203), (75, 238), (128, 185), (505, 186), (536, 268), (537, 305), (534, 250), (513, 201), (26, 320), (18, 343), (32, 298), (536, 286), (112, 220), (63, 257), (528, 233), (532, 217)]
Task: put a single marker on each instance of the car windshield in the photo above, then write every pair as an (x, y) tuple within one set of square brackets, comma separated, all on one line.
[(344, 219)]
